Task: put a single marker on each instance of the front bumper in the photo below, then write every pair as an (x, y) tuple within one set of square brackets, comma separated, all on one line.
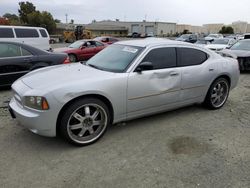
[(39, 122)]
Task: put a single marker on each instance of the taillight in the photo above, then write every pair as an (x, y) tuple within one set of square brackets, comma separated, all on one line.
[(66, 61)]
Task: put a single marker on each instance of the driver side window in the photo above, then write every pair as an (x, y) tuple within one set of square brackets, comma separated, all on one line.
[(162, 58)]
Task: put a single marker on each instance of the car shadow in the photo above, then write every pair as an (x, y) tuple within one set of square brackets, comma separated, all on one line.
[(57, 144)]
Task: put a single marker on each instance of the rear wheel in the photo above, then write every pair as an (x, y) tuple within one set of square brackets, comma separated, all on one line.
[(217, 94), (72, 58), (85, 121)]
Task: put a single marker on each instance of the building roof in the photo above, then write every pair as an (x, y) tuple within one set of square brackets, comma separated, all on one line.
[(105, 27), (152, 42)]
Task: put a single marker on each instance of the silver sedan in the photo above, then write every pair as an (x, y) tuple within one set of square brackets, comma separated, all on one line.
[(127, 80)]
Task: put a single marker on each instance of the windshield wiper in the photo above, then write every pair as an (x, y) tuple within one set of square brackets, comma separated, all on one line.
[(94, 66)]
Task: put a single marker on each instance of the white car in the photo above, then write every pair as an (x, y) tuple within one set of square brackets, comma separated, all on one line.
[(37, 37), (211, 37), (221, 44), (126, 80)]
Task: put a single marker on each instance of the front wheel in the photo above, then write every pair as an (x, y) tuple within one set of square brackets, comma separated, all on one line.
[(85, 121), (217, 94), (72, 58)]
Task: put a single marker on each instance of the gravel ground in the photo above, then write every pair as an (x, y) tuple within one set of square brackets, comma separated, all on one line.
[(190, 147)]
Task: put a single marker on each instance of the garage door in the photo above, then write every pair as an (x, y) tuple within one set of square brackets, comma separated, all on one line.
[(149, 29), (135, 28)]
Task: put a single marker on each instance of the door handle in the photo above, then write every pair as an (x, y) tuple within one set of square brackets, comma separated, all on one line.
[(211, 69), (174, 74)]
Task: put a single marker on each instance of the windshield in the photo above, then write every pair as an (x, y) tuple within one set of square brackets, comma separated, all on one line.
[(115, 58), (184, 36), (201, 42), (220, 41), (76, 44), (241, 45), (213, 36)]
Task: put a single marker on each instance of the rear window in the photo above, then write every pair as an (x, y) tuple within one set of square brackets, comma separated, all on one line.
[(43, 33), (6, 33), (9, 50), (26, 33), (189, 56)]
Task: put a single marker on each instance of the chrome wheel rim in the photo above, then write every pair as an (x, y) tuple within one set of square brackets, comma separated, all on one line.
[(219, 94), (87, 123)]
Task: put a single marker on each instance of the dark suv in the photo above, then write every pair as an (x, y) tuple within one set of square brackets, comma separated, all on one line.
[(191, 38)]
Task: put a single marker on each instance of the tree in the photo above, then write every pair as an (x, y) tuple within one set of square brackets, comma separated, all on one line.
[(226, 30), (185, 31), (42, 19), (13, 18), (71, 21), (57, 21), (4, 21), (25, 9), (48, 21)]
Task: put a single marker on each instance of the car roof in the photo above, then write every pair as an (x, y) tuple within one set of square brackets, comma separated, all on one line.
[(151, 42), (29, 47), (21, 27)]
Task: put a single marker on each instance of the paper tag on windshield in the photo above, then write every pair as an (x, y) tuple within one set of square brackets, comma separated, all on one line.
[(129, 49)]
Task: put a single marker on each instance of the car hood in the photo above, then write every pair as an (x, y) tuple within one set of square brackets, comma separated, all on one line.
[(55, 76), (181, 39), (65, 49), (238, 53), (216, 46)]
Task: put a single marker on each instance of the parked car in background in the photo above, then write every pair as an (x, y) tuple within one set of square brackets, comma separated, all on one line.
[(145, 35), (246, 36), (191, 38), (106, 39), (134, 35), (17, 59), (241, 50), (212, 37), (202, 42), (34, 36), (126, 80), (82, 50), (221, 44)]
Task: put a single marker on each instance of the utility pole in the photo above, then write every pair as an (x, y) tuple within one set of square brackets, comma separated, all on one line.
[(66, 15)]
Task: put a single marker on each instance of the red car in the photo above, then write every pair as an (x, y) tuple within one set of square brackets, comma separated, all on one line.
[(106, 39), (82, 50)]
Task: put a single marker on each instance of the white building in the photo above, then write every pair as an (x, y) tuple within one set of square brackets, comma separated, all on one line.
[(157, 28)]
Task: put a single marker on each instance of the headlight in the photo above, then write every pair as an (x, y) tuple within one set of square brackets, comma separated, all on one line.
[(36, 102)]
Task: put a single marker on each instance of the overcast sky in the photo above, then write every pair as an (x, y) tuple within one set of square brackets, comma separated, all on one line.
[(195, 12)]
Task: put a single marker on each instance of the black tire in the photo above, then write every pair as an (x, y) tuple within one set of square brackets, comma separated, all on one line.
[(214, 92), (72, 58), (75, 135)]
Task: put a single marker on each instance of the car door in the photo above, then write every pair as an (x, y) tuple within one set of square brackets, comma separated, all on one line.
[(197, 71), (87, 51), (152, 90), (12, 64), (99, 47)]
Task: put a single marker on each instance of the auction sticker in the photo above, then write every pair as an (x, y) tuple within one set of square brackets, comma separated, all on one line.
[(129, 49)]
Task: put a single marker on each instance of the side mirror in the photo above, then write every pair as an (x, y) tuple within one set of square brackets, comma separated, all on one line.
[(144, 66), (83, 47)]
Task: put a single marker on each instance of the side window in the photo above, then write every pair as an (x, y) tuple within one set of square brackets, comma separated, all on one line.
[(98, 44), (26, 33), (161, 58), (25, 52), (6, 33), (43, 33), (9, 50), (190, 56)]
